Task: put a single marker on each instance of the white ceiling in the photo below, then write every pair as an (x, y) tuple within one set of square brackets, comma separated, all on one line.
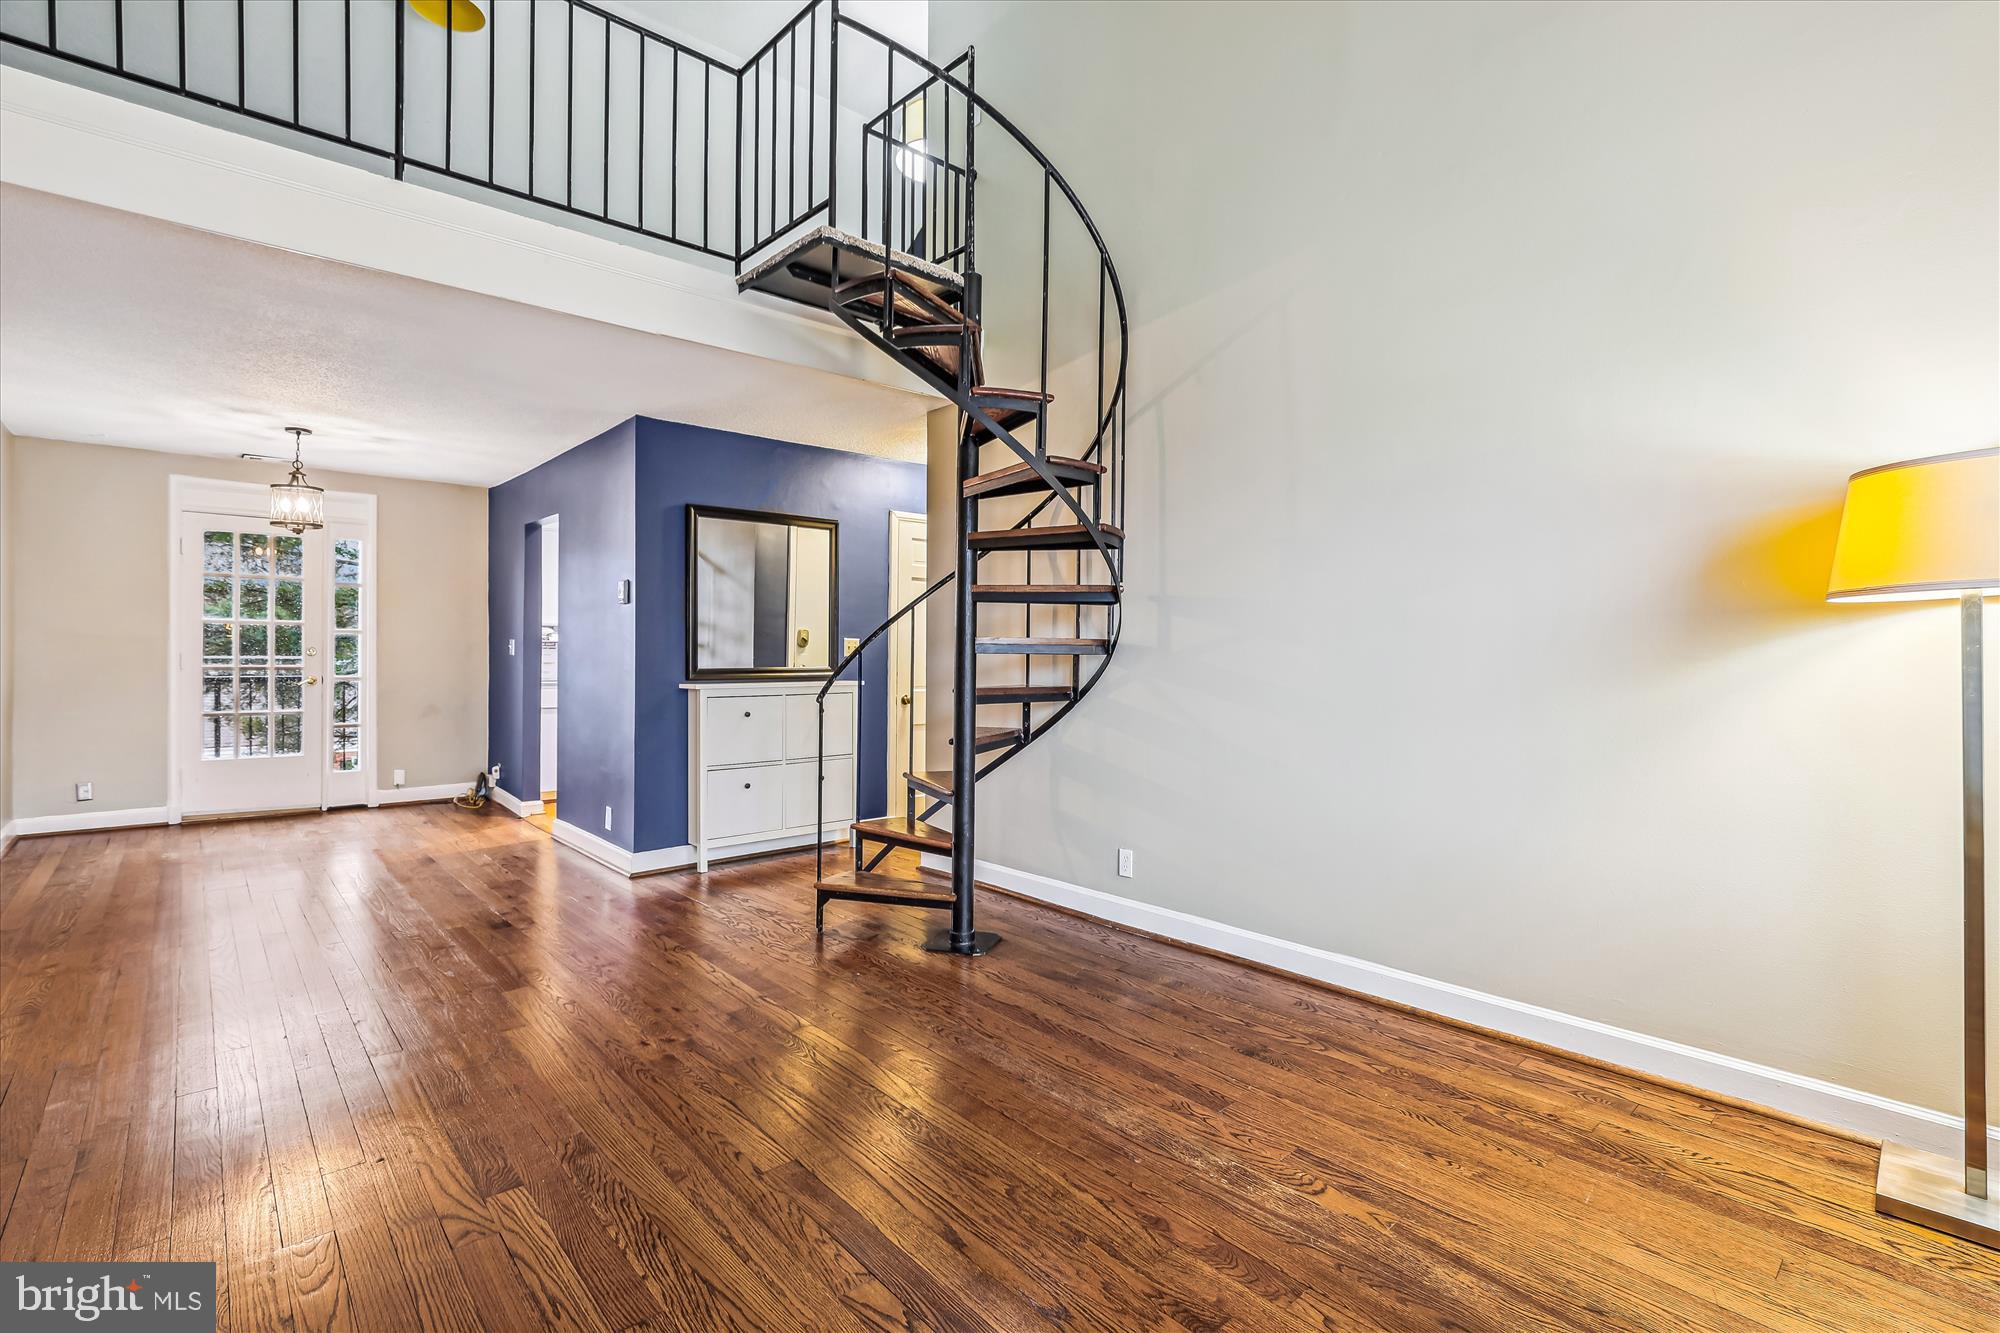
[(118, 329)]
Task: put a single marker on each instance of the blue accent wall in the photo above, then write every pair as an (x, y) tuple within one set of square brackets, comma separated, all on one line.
[(623, 731), (681, 465), (590, 488)]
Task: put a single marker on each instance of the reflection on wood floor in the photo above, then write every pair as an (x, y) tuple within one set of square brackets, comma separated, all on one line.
[(420, 1068)]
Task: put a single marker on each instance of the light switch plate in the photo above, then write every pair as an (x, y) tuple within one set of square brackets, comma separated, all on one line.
[(624, 592), (83, 792), (848, 645)]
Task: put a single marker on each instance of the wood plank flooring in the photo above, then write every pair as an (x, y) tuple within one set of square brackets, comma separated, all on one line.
[(418, 1068)]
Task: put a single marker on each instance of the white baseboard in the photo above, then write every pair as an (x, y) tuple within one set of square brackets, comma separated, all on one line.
[(442, 791), (513, 804), (611, 854), (1851, 1109), (85, 821)]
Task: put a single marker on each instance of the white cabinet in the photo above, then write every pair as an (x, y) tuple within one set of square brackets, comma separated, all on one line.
[(755, 783)]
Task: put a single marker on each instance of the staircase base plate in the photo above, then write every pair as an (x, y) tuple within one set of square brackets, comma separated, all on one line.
[(983, 942)]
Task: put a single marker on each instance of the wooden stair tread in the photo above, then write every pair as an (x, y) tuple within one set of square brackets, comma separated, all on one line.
[(1058, 647), (925, 885), (927, 330), (1014, 694), (1026, 395), (905, 832), (1064, 535), (937, 782), (1022, 477), (1046, 592), (991, 738)]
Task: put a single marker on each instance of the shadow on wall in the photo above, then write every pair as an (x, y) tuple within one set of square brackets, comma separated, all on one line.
[(1773, 573)]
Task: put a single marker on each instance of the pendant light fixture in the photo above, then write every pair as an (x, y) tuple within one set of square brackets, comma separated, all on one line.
[(294, 504)]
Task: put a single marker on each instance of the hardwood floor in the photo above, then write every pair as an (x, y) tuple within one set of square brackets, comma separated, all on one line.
[(419, 1068)]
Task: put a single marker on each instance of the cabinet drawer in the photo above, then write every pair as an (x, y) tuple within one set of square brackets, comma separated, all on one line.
[(743, 729), (802, 724), (738, 801), (839, 808)]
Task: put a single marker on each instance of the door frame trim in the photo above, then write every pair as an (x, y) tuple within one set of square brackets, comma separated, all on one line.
[(247, 499), (890, 781)]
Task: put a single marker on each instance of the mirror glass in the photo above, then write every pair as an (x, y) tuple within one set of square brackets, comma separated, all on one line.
[(761, 593)]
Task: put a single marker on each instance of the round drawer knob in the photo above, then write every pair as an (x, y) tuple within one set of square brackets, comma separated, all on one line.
[(746, 786), (746, 712)]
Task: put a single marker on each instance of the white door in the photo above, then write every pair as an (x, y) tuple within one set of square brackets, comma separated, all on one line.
[(908, 577), (273, 700), (258, 658)]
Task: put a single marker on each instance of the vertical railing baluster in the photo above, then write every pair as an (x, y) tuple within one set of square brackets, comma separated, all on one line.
[(1042, 434), (569, 110), (346, 70), (888, 261), (774, 139), (118, 45), (492, 56), (756, 142), (674, 151), (736, 177), (402, 24), (450, 15), (812, 98), (833, 125), (180, 38), (642, 132), (791, 127), (241, 103), (52, 25), (533, 6), (706, 102), (604, 146)]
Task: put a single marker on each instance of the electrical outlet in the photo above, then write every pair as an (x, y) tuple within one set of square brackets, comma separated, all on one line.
[(1125, 863), (494, 776), (83, 792), (607, 819), (848, 645), (399, 777), (624, 592), (510, 647)]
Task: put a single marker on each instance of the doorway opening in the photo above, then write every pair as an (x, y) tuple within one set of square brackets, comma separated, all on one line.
[(544, 667), (908, 563)]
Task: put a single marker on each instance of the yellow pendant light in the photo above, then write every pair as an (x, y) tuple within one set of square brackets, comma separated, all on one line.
[(455, 15)]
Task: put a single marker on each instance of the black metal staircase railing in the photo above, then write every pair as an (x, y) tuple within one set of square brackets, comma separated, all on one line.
[(833, 166)]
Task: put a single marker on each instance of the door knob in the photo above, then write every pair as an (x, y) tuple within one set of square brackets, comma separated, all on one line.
[(312, 680), (905, 701), (312, 652)]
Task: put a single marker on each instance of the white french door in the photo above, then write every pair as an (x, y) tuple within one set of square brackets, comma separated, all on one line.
[(272, 655)]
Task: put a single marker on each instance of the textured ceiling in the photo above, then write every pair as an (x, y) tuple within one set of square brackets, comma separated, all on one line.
[(117, 329)]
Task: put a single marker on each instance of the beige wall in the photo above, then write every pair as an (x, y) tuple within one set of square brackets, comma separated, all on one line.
[(6, 656), (87, 527), (1497, 369)]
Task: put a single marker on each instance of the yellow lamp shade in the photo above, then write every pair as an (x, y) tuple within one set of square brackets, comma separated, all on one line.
[(1922, 530), (458, 15)]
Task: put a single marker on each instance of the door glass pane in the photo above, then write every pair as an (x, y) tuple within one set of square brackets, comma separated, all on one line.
[(346, 701), (291, 553), (218, 737), (215, 642), (290, 601), (346, 749), (254, 644), (218, 691), (347, 562), (217, 596), (290, 690), (290, 736), (253, 692), (253, 735), (347, 608), (346, 654), (255, 598), (255, 549), (285, 644), (218, 552)]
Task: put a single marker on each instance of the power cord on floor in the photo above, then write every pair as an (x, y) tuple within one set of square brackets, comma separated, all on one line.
[(474, 799)]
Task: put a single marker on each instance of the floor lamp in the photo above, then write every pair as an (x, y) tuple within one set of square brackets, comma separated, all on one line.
[(1929, 530)]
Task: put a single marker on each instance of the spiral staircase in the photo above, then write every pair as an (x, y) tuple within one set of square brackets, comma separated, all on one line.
[(1026, 649)]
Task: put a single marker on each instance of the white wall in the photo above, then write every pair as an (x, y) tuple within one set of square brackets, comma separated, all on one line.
[(1497, 370), (86, 591)]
